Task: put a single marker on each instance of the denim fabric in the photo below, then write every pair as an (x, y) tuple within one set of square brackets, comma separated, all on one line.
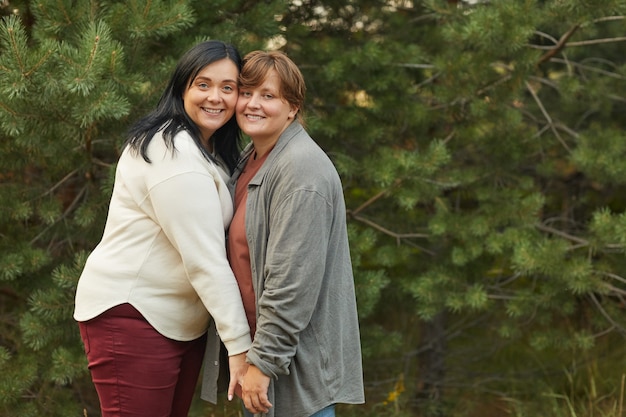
[(326, 412)]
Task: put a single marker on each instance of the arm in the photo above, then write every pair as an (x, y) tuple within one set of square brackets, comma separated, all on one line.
[(294, 271), (188, 209), (237, 366)]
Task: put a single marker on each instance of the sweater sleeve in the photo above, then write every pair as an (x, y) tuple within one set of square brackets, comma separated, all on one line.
[(189, 209), (294, 273)]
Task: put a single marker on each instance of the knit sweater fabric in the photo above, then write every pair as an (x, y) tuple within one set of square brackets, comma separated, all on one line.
[(163, 247)]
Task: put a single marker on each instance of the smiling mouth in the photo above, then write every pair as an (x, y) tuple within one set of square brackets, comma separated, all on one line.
[(212, 111), (254, 117)]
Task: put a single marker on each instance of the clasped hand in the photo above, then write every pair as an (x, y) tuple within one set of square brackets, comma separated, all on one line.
[(254, 387)]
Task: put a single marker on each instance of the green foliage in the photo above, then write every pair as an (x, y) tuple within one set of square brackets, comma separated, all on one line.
[(480, 146), (599, 154), (72, 77), (473, 141)]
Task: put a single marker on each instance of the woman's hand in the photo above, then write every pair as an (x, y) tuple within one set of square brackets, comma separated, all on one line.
[(238, 367), (254, 389)]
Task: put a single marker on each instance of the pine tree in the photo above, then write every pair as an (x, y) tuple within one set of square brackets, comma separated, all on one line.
[(73, 75), (480, 145)]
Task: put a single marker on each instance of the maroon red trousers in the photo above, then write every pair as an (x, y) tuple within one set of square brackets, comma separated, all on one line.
[(137, 371)]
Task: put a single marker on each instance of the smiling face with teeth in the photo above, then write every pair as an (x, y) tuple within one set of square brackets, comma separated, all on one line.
[(211, 97), (263, 113)]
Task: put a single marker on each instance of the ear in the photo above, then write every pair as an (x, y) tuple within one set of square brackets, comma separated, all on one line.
[(293, 112)]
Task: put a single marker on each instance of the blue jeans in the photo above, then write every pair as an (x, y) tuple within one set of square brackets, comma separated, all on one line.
[(325, 412)]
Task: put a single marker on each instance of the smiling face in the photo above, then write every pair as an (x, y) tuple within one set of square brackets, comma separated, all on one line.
[(210, 98), (262, 113)]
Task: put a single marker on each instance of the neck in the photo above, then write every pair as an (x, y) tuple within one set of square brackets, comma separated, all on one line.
[(262, 147)]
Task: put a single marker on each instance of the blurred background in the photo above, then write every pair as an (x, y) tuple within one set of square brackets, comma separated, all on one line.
[(482, 149)]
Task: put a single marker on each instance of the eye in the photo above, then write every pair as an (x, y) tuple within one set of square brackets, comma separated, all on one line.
[(228, 88), (203, 85), (268, 96), (243, 93)]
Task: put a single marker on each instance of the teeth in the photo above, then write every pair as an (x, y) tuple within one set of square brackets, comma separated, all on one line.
[(213, 111), (251, 116)]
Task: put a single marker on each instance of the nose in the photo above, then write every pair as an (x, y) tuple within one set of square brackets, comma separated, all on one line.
[(213, 94), (253, 101)]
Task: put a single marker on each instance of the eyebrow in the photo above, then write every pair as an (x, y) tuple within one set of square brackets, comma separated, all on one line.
[(270, 90), (202, 77)]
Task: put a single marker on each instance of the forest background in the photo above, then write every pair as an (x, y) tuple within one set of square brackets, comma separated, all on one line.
[(481, 146)]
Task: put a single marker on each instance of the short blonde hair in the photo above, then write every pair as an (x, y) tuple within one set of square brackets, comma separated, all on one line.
[(258, 64)]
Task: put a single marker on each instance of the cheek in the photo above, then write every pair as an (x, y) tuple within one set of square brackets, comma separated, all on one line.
[(231, 101), (241, 105), (188, 102)]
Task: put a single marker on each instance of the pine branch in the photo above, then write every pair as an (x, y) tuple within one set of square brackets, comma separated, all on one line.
[(606, 315), (608, 19), (39, 63), (588, 68), (15, 47), (547, 116), (58, 184), (416, 66), (370, 201), (64, 215), (615, 276), (7, 109), (618, 292), (547, 36), (493, 85), (397, 236), (561, 44), (354, 214), (596, 41), (562, 234), (92, 56), (604, 332)]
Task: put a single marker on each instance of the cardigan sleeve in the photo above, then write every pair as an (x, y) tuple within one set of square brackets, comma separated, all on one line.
[(294, 273)]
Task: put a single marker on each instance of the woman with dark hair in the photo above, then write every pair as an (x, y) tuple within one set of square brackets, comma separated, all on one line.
[(159, 278), (288, 247)]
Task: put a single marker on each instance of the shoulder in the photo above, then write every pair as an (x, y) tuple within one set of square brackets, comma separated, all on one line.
[(184, 143), (306, 158), (301, 165), (183, 147), (183, 155)]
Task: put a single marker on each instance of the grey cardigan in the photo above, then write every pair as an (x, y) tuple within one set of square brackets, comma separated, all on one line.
[(307, 336)]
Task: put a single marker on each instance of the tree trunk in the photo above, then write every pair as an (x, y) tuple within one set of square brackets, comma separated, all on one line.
[(428, 395)]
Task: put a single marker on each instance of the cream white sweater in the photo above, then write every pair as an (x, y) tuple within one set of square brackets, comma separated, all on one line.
[(163, 248)]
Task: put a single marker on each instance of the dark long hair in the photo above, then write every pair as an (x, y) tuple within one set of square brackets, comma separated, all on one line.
[(170, 116)]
